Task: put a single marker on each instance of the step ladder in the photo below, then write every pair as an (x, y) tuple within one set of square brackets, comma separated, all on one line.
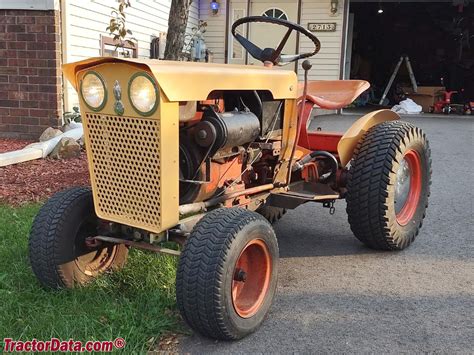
[(394, 74)]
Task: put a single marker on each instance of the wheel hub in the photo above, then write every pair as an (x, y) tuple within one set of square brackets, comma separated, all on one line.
[(402, 187), (252, 274), (408, 187)]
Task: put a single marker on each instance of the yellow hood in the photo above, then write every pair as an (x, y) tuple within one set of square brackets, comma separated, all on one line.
[(186, 81)]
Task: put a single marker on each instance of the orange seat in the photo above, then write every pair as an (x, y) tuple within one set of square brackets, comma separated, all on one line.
[(334, 94)]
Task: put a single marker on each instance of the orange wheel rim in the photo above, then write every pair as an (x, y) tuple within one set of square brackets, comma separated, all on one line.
[(251, 278), (410, 202)]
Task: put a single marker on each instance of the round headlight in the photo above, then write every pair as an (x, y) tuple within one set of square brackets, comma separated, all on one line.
[(143, 93), (93, 91)]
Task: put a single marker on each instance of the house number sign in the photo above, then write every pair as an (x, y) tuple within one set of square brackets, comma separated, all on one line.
[(322, 27)]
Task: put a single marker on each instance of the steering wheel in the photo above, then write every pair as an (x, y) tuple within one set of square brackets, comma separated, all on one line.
[(269, 54)]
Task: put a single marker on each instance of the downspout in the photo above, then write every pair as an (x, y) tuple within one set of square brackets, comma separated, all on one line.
[(227, 21), (298, 21), (342, 64), (247, 32), (63, 13)]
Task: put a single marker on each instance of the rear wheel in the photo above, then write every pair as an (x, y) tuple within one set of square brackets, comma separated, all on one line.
[(271, 213), (227, 273), (58, 252), (389, 185)]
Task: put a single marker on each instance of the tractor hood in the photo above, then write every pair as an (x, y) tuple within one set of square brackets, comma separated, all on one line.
[(191, 81)]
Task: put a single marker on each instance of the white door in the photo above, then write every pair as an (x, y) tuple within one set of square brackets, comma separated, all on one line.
[(267, 35)]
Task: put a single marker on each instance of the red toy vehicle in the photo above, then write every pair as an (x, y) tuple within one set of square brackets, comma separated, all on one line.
[(446, 105)]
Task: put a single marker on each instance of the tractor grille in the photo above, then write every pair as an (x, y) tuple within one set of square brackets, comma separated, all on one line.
[(124, 163)]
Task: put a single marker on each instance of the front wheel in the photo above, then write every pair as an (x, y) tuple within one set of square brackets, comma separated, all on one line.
[(58, 252), (389, 185), (227, 273)]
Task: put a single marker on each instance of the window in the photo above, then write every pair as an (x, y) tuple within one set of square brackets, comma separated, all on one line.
[(275, 13), (109, 49)]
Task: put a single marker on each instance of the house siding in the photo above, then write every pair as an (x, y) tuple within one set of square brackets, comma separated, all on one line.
[(326, 64), (26, 107), (86, 20), (216, 30)]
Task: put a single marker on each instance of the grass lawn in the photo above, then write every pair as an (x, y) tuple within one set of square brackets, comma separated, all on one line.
[(137, 303)]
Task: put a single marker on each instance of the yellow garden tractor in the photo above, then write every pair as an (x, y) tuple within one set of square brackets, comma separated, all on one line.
[(209, 155)]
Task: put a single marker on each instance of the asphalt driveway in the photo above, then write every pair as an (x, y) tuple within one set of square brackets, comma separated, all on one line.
[(336, 296)]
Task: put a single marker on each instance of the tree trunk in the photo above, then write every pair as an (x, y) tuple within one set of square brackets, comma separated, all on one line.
[(177, 23)]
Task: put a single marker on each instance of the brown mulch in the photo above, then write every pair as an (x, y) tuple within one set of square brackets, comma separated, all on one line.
[(8, 145), (36, 180)]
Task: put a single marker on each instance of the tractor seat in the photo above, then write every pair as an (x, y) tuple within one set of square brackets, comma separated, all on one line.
[(334, 94)]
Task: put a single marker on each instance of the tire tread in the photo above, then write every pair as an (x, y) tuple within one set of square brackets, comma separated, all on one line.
[(201, 267), (43, 249), (369, 179)]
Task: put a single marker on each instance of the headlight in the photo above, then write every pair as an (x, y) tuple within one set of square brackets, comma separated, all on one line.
[(93, 91), (143, 93)]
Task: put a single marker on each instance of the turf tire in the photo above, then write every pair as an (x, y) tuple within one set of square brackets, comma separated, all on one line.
[(53, 249), (371, 185), (205, 272)]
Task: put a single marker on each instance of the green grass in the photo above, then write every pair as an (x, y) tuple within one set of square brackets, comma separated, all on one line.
[(136, 303)]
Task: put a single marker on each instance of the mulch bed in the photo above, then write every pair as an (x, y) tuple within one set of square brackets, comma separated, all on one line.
[(36, 180), (8, 145)]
